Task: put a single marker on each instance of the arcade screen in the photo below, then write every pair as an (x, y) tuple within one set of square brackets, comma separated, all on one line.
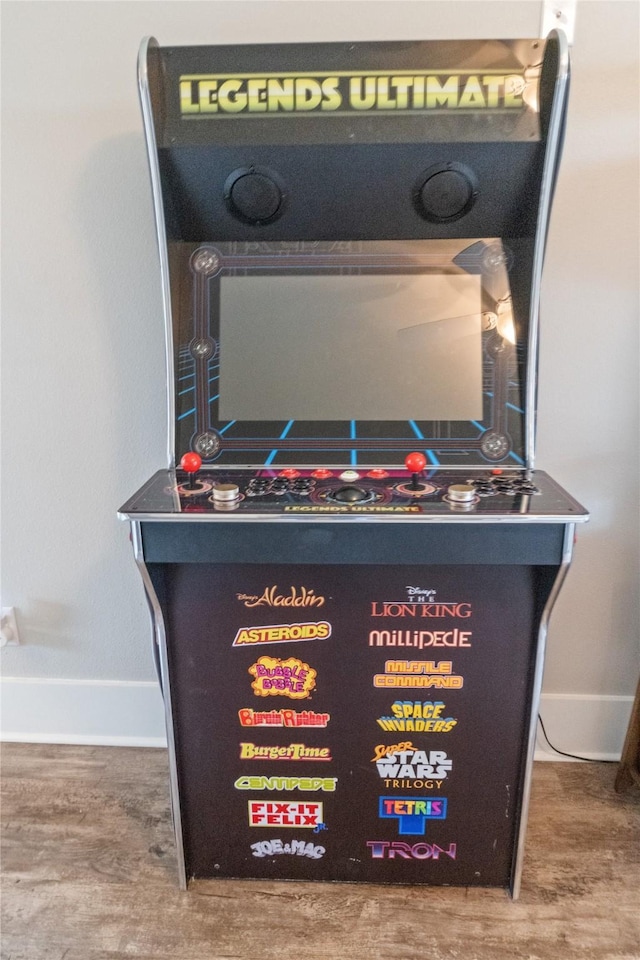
[(346, 352)]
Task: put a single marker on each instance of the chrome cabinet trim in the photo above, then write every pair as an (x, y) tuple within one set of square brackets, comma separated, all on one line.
[(148, 44), (551, 160), (160, 638), (567, 552)]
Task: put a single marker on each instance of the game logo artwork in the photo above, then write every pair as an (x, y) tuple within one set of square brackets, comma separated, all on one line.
[(294, 813), (282, 633), (282, 718), (402, 766), (286, 678), (415, 716), (366, 754)]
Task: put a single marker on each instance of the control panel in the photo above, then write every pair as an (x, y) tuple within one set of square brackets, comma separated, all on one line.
[(366, 491)]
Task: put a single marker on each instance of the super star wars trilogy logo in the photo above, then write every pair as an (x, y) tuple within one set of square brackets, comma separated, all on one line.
[(411, 775), (354, 92)]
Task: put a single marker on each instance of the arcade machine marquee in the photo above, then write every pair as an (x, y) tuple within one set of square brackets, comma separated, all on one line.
[(349, 559)]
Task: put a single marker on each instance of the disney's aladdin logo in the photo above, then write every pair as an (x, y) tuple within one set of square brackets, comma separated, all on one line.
[(296, 597)]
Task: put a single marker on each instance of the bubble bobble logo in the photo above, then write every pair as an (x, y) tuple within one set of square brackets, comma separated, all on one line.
[(285, 678)]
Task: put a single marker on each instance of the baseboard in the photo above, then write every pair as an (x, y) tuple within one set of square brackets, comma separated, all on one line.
[(128, 713), (589, 726), (100, 712)]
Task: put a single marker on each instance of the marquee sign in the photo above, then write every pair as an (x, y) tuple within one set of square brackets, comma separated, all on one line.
[(358, 92)]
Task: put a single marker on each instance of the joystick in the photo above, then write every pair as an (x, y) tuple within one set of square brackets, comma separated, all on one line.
[(415, 464), (191, 463)]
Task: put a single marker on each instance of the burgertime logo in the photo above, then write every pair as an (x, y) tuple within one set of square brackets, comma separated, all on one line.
[(282, 633), (353, 92)]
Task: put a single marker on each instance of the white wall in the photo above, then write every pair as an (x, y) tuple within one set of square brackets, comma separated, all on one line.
[(83, 374)]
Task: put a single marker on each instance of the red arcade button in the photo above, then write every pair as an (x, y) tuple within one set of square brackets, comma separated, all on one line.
[(497, 471), (289, 473), (377, 474), (321, 473)]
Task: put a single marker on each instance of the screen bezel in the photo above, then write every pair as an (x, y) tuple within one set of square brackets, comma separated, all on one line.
[(496, 437)]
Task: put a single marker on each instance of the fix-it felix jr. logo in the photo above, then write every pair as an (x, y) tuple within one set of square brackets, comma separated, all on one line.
[(411, 814)]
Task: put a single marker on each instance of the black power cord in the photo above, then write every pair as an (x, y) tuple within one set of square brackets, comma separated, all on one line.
[(562, 752)]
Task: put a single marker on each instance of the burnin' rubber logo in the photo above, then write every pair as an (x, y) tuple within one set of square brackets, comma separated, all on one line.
[(297, 597), (279, 813), (297, 848), (354, 92), (417, 717), (385, 850), (282, 718), (418, 673), (284, 678), (295, 751), (307, 784), (412, 815), (282, 633), (402, 766)]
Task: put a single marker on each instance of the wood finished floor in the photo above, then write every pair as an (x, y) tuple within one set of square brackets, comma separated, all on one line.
[(89, 874)]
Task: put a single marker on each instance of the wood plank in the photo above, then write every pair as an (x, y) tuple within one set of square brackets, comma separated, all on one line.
[(89, 873)]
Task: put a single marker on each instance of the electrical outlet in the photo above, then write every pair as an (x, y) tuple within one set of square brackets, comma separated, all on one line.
[(9, 636)]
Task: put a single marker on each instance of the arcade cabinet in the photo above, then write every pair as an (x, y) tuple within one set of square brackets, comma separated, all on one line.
[(349, 557)]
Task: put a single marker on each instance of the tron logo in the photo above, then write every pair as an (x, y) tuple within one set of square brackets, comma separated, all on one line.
[(383, 850)]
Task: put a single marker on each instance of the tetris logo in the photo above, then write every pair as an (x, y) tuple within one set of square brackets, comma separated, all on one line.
[(411, 814)]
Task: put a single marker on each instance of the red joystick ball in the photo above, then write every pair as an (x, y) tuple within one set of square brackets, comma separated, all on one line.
[(191, 463), (415, 462)]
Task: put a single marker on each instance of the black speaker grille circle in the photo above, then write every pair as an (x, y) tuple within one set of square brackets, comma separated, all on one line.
[(445, 192), (253, 196)]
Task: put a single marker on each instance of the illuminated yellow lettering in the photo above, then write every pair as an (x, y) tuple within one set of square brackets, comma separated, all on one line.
[(230, 98), (281, 94), (257, 95), (442, 96), (308, 93), (402, 85), (384, 101), (513, 90), (358, 99), (207, 96), (493, 85), (331, 98), (472, 95), (186, 100), (418, 93)]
